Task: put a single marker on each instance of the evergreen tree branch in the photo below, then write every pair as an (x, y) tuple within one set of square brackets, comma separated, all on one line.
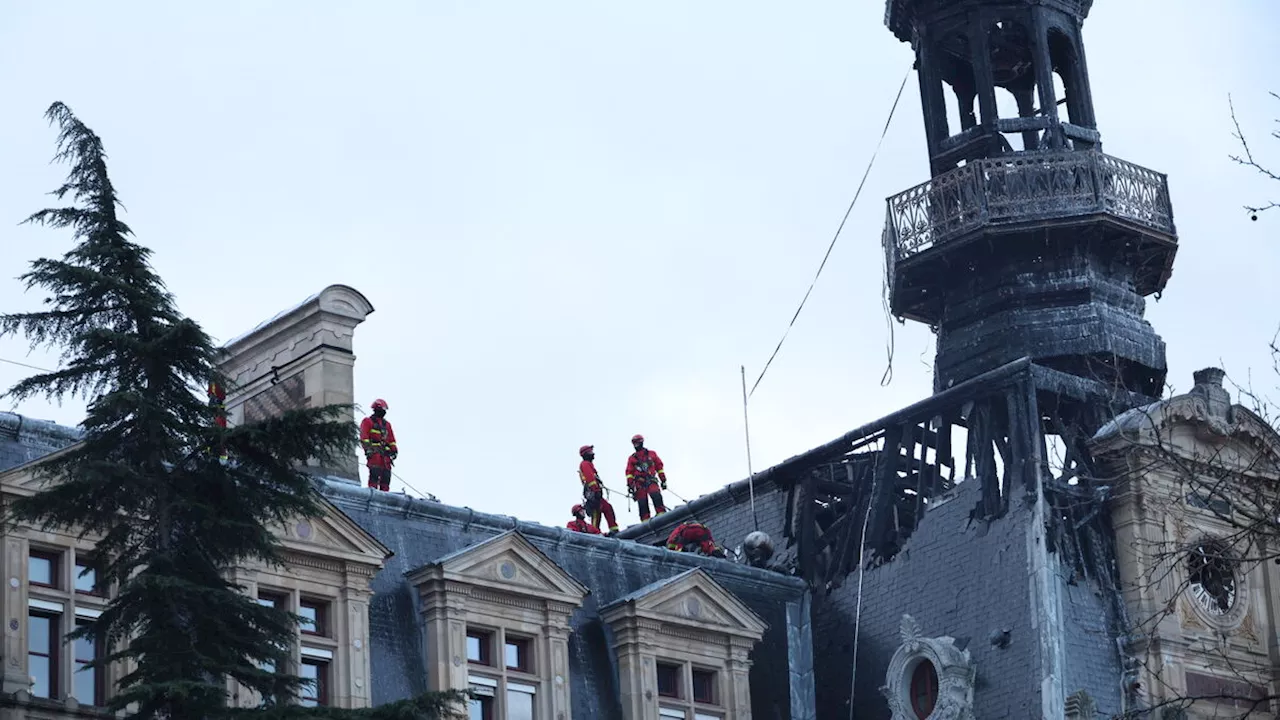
[(169, 516)]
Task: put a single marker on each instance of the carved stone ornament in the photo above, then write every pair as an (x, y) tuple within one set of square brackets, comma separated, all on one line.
[(954, 667)]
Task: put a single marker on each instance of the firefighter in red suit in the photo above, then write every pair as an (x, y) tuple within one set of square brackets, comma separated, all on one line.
[(579, 522), (593, 492), (693, 537), (218, 403), (379, 443), (646, 478)]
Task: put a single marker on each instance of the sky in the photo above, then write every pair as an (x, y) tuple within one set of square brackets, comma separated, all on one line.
[(577, 220)]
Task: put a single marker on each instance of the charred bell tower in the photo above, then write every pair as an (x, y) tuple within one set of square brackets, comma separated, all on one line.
[(1027, 241)]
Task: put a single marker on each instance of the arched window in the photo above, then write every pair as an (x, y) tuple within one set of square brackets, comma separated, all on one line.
[(1009, 43), (924, 689), (956, 67), (1066, 69)]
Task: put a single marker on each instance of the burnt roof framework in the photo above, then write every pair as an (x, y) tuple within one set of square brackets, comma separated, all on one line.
[(1028, 240), (1015, 431)]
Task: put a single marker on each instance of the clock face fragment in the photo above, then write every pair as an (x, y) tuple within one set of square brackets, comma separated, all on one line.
[(1211, 579)]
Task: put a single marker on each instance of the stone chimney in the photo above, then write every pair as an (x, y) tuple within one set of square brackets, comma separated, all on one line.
[(300, 358), (1208, 385)]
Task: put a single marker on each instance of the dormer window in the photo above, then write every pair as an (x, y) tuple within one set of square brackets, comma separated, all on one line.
[(516, 603)]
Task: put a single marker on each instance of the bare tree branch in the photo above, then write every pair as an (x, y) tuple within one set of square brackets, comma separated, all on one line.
[(1248, 159)]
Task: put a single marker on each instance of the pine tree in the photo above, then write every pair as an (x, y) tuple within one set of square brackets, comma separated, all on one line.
[(171, 516)]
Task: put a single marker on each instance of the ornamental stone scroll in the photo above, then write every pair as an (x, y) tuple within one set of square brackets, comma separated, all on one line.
[(954, 668)]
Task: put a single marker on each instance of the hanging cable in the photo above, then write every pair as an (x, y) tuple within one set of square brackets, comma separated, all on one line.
[(862, 566), (889, 344), (25, 365), (835, 237)]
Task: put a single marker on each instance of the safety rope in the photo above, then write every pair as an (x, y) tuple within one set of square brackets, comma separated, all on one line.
[(835, 237)]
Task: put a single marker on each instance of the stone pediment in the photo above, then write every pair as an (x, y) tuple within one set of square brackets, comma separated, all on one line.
[(508, 563), (333, 535), (693, 599)]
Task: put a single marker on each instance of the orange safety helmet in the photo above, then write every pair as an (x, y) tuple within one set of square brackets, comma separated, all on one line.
[(586, 449), (637, 438), (577, 509), (379, 403)]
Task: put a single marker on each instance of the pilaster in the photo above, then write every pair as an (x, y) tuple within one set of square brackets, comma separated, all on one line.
[(15, 676), (353, 654), (555, 656), (444, 615), (738, 667)]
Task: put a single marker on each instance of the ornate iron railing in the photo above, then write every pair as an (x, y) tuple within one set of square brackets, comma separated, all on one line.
[(1021, 188)]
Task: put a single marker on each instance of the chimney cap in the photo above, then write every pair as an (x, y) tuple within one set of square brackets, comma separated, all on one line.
[(1209, 376)]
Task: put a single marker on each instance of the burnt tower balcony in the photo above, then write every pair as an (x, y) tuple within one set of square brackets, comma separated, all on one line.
[(1028, 240)]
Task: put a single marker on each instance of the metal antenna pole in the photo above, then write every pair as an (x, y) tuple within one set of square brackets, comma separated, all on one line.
[(746, 426)]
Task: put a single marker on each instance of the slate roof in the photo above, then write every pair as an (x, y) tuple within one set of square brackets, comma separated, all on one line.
[(651, 587), (24, 439), (420, 532)]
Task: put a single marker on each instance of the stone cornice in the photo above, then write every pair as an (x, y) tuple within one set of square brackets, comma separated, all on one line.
[(1147, 426)]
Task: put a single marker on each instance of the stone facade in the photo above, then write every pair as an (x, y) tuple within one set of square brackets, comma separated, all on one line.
[(329, 564), (1194, 476)]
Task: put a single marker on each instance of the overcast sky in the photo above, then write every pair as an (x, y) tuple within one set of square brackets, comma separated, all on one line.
[(576, 220)]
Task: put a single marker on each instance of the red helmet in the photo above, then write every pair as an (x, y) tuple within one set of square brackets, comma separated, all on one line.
[(577, 509), (586, 449), (379, 403), (637, 438)]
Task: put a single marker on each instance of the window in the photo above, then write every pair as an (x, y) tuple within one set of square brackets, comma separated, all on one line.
[(520, 701), (271, 600), (481, 709), (42, 568), (86, 681), (704, 686), (42, 652), (687, 691), (317, 671), (86, 578), (314, 621), (501, 696), (517, 654), (479, 647), (483, 706), (669, 680), (924, 689)]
